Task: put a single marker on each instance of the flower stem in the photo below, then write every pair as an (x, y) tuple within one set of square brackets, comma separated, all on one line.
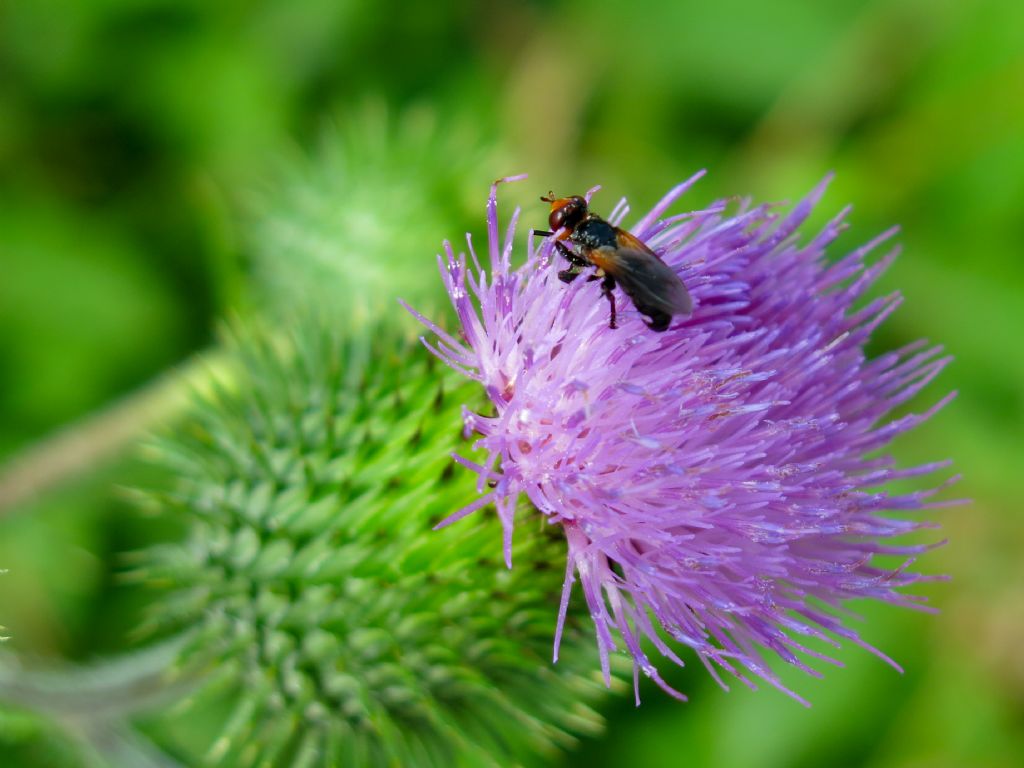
[(101, 436), (118, 687), (96, 703)]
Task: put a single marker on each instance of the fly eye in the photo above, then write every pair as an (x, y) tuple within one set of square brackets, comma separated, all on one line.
[(567, 215)]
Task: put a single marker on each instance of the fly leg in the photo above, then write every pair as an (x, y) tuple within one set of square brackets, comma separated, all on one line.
[(607, 286), (570, 274), (571, 256), (577, 263)]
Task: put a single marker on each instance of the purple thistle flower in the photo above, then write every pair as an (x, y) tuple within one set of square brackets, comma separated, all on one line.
[(718, 484)]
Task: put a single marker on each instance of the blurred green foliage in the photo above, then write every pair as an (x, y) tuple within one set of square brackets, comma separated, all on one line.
[(142, 142)]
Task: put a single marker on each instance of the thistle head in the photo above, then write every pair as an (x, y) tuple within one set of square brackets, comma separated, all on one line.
[(721, 486)]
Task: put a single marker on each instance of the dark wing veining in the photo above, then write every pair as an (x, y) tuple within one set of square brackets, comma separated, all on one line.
[(648, 281)]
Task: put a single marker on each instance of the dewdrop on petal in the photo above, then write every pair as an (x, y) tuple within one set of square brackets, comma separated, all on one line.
[(718, 484)]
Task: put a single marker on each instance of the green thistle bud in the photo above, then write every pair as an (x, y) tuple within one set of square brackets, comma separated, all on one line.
[(355, 224), (318, 603)]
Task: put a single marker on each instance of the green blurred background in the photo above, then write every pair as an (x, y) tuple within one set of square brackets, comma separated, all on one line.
[(140, 142)]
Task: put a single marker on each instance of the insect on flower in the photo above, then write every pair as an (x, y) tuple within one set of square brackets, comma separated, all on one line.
[(723, 490), (620, 257)]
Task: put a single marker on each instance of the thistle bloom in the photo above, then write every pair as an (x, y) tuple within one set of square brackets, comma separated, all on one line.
[(718, 484)]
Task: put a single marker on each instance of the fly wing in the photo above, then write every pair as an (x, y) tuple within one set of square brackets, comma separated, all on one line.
[(649, 282)]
